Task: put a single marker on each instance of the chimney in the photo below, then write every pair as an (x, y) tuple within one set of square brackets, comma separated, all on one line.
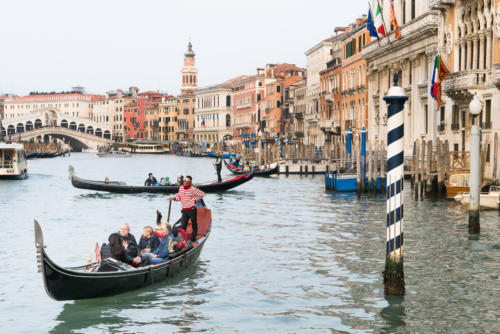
[(359, 21)]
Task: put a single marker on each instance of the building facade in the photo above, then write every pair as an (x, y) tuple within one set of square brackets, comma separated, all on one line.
[(168, 111), (186, 118), (247, 94)]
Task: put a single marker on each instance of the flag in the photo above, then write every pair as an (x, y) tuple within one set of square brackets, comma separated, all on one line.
[(379, 21), (394, 23), (203, 123), (439, 73), (369, 24)]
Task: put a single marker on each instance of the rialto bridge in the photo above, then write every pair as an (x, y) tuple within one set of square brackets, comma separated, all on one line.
[(41, 125)]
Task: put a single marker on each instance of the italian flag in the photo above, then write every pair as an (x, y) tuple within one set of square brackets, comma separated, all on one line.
[(379, 21)]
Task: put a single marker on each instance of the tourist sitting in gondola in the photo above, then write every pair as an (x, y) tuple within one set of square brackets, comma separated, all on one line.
[(131, 252), (150, 181), (165, 248), (149, 241), (180, 237), (180, 181)]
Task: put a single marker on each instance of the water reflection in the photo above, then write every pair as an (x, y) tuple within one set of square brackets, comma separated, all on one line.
[(171, 302), (394, 315)]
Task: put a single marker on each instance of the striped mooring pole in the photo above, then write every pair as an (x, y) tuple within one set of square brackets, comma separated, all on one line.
[(363, 158), (394, 283), (348, 149)]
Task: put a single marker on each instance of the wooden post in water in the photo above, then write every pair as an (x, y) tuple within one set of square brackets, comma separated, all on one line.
[(439, 165), (359, 183), (369, 156), (430, 159), (376, 164), (422, 169), (394, 283), (417, 168)]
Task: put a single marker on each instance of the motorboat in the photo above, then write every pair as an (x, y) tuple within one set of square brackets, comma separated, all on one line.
[(489, 200), (13, 163)]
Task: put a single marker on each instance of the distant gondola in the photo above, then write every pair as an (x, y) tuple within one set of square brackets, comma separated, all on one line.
[(119, 187), (272, 169), (224, 155), (86, 282)]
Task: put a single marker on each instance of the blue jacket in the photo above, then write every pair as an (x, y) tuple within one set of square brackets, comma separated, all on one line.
[(162, 250)]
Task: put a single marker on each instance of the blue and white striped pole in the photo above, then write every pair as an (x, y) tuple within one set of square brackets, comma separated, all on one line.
[(363, 158), (348, 149), (394, 274)]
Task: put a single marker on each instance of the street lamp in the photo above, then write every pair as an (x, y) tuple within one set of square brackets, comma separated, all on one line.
[(475, 108)]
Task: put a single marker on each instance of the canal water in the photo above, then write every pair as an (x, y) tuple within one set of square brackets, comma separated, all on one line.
[(284, 256)]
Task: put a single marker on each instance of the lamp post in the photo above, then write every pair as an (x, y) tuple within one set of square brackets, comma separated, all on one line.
[(475, 107)]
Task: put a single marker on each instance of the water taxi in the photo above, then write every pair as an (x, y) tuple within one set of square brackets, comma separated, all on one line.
[(147, 148), (458, 182), (489, 200), (13, 161)]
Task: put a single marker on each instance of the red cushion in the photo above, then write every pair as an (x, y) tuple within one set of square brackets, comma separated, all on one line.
[(204, 221)]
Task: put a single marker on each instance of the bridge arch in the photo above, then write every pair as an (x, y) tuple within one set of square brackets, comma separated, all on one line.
[(29, 125), (81, 127), (20, 128), (11, 130), (72, 125), (4, 133), (98, 132), (38, 123), (90, 129), (107, 134), (64, 123)]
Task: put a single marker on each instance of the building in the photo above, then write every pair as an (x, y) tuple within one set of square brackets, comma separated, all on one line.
[(214, 113), (468, 39), (297, 109), (185, 120), (354, 92), (109, 110), (141, 116), (412, 57), (168, 111), (247, 94)]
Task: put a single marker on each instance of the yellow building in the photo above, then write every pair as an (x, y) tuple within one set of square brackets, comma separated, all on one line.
[(169, 110)]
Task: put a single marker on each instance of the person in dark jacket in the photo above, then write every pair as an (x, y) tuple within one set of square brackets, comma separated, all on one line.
[(218, 167), (115, 248), (149, 241), (166, 247), (150, 181), (131, 251)]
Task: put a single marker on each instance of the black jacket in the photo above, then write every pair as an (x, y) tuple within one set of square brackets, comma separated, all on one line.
[(132, 251), (153, 242), (150, 182)]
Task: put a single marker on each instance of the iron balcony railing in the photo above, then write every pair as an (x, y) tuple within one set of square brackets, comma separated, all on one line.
[(441, 127), (485, 125), (455, 126)]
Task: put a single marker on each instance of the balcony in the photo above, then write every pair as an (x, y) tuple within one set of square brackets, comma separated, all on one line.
[(441, 4), (441, 127), (326, 125), (485, 125), (455, 126), (299, 115), (458, 84), (242, 125), (496, 75)]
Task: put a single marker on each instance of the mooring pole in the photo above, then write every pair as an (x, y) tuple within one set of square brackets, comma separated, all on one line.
[(363, 158), (394, 282), (348, 149), (475, 167)]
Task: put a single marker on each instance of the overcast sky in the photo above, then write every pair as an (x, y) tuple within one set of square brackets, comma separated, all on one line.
[(107, 44)]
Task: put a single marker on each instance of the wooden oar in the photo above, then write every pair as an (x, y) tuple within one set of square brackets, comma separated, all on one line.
[(169, 208)]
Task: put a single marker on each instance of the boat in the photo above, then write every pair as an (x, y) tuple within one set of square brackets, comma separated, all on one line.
[(225, 155), (114, 154), (146, 148), (458, 182), (85, 281), (349, 182), (262, 171), (489, 200), (13, 163), (120, 187)]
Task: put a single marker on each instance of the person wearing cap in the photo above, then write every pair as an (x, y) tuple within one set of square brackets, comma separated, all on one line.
[(150, 181)]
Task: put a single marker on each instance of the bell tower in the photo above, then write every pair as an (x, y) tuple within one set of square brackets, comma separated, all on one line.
[(189, 72)]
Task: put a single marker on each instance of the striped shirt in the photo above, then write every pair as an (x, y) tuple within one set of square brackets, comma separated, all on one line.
[(188, 197)]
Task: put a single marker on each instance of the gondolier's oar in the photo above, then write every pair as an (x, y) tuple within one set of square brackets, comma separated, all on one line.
[(169, 209)]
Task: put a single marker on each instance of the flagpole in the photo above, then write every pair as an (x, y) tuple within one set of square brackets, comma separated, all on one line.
[(371, 13), (387, 31)]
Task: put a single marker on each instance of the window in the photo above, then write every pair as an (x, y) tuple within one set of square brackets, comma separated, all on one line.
[(426, 117), (455, 147), (412, 9), (278, 88), (488, 112), (441, 116), (404, 11)]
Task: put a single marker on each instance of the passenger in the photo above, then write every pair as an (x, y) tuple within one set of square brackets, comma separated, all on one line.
[(162, 182), (218, 167), (130, 246), (106, 180), (115, 248), (246, 168), (149, 241), (180, 181), (167, 181), (180, 237), (150, 181), (165, 248), (237, 160), (188, 195)]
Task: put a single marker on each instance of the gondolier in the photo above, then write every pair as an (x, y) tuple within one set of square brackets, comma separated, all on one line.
[(188, 195), (218, 167)]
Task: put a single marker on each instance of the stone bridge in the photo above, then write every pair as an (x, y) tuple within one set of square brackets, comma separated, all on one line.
[(76, 139)]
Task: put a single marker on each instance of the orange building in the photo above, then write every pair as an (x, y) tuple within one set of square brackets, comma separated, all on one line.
[(354, 92)]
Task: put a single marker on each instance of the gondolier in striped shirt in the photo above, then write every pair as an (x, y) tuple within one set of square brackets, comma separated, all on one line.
[(188, 195)]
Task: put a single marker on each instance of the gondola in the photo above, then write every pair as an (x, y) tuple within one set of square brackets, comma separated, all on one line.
[(224, 155), (86, 281), (120, 187), (272, 169)]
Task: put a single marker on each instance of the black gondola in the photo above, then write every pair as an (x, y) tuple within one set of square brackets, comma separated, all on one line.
[(119, 187), (272, 169), (86, 282)]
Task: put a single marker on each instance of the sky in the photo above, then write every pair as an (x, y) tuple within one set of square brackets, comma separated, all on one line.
[(103, 45)]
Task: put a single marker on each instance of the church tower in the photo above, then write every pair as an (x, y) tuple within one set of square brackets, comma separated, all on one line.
[(189, 72)]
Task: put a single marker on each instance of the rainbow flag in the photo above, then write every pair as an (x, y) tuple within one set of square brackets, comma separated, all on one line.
[(439, 73)]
